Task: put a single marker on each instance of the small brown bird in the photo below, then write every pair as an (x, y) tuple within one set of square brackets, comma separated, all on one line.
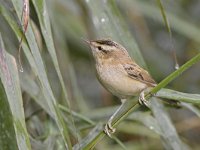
[(119, 74)]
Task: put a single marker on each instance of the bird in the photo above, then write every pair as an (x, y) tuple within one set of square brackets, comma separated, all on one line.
[(119, 74)]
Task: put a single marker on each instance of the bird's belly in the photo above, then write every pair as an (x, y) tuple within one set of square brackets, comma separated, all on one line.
[(119, 83)]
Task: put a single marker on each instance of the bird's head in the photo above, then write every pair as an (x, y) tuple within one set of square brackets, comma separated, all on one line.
[(106, 49)]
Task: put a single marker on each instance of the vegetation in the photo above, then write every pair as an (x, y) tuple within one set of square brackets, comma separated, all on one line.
[(56, 102)]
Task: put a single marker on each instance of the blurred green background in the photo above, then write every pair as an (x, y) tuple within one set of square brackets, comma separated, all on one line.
[(76, 102)]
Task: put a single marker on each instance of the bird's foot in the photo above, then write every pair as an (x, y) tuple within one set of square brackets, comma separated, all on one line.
[(142, 100), (109, 130)]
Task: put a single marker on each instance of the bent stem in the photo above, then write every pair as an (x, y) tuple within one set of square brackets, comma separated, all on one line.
[(173, 75)]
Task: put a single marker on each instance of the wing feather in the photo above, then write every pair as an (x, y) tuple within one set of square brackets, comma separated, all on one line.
[(136, 72)]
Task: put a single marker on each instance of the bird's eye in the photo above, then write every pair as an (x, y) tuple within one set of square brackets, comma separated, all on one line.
[(99, 48)]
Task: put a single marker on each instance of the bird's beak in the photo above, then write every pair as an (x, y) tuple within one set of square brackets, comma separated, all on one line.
[(87, 41)]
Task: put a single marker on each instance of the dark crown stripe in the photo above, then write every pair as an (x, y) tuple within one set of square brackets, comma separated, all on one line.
[(106, 42)]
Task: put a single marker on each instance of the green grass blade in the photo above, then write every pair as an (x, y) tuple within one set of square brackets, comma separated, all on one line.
[(192, 108), (45, 85), (10, 80), (164, 17), (178, 24), (68, 68), (77, 115), (179, 96), (89, 141), (28, 83), (18, 34), (143, 117), (176, 73), (8, 139), (40, 6), (120, 143), (92, 139), (45, 25), (172, 140)]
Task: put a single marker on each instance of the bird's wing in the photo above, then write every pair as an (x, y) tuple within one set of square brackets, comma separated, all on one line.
[(136, 72)]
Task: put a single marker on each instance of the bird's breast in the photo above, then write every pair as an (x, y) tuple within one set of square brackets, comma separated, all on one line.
[(116, 80)]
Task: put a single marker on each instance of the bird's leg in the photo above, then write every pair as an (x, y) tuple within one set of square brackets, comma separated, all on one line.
[(108, 127)]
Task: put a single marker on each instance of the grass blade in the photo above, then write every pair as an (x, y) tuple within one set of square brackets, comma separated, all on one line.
[(176, 73), (164, 16), (40, 6), (184, 27), (8, 139), (179, 96), (191, 108), (169, 133), (45, 85), (10, 80), (41, 10)]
